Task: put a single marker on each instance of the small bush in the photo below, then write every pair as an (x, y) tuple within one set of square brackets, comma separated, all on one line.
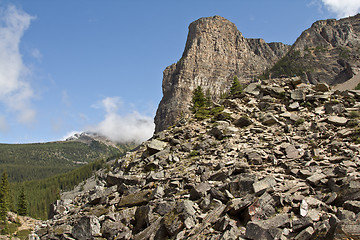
[(216, 110), (357, 87), (194, 153), (236, 88), (299, 121)]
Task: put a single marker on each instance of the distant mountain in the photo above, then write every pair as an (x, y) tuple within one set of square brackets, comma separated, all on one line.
[(40, 160)]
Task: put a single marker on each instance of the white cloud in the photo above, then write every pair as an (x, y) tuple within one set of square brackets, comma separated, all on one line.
[(122, 128), (343, 8), (15, 90)]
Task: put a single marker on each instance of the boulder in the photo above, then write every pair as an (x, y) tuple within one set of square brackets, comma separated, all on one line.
[(155, 146), (298, 95), (242, 122), (337, 121), (135, 199), (199, 191), (322, 87), (86, 228)]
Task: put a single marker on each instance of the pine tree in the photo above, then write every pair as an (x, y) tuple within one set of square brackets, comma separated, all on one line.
[(199, 100), (236, 88), (4, 194), (22, 203)]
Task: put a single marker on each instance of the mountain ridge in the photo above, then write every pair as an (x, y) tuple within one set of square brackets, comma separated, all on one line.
[(216, 51)]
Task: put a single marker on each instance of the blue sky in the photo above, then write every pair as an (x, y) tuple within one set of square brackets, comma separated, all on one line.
[(80, 65)]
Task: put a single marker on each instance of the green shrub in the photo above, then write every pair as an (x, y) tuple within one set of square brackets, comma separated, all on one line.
[(299, 121), (236, 88), (288, 66), (198, 100), (357, 87), (194, 153)]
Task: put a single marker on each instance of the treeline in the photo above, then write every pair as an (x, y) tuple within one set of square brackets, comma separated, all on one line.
[(24, 162), (39, 194)]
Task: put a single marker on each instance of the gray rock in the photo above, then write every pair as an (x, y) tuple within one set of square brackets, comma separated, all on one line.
[(237, 205), (336, 108), (337, 121), (242, 122), (155, 146), (261, 186), (86, 228), (292, 152), (118, 179), (254, 158), (353, 206), (163, 208), (293, 106), (298, 95), (135, 199), (253, 89), (199, 191), (110, 229), (315, 178), (269, 119), (258, 229), (305, 234)]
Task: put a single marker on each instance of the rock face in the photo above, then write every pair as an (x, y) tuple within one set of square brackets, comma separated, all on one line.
[(328, 51), (215, 52), (296, 178)]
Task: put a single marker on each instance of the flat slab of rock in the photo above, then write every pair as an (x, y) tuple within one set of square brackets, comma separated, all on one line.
[(337, 121), (292, 152), (315, 178), (155, 146), (264, 184), (135, 199)]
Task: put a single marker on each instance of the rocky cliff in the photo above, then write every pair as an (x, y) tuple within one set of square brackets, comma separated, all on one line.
[(329, 51), (215, 52)]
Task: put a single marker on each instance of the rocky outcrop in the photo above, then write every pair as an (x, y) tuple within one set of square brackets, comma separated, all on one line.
[(283, 164), (215, 52), (329, 51)]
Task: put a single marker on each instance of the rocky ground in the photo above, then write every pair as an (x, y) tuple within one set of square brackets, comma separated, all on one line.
[(281, 161)]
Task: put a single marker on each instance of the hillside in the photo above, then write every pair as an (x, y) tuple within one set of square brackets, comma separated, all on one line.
[(40, 160), (279, 161), (329, 51), (276, 158)]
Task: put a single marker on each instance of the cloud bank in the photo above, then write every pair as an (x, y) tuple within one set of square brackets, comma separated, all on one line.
[(15, 90), (343, 8), (122, 128)]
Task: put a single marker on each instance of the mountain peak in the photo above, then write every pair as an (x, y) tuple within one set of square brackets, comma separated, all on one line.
[(215, 52)]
